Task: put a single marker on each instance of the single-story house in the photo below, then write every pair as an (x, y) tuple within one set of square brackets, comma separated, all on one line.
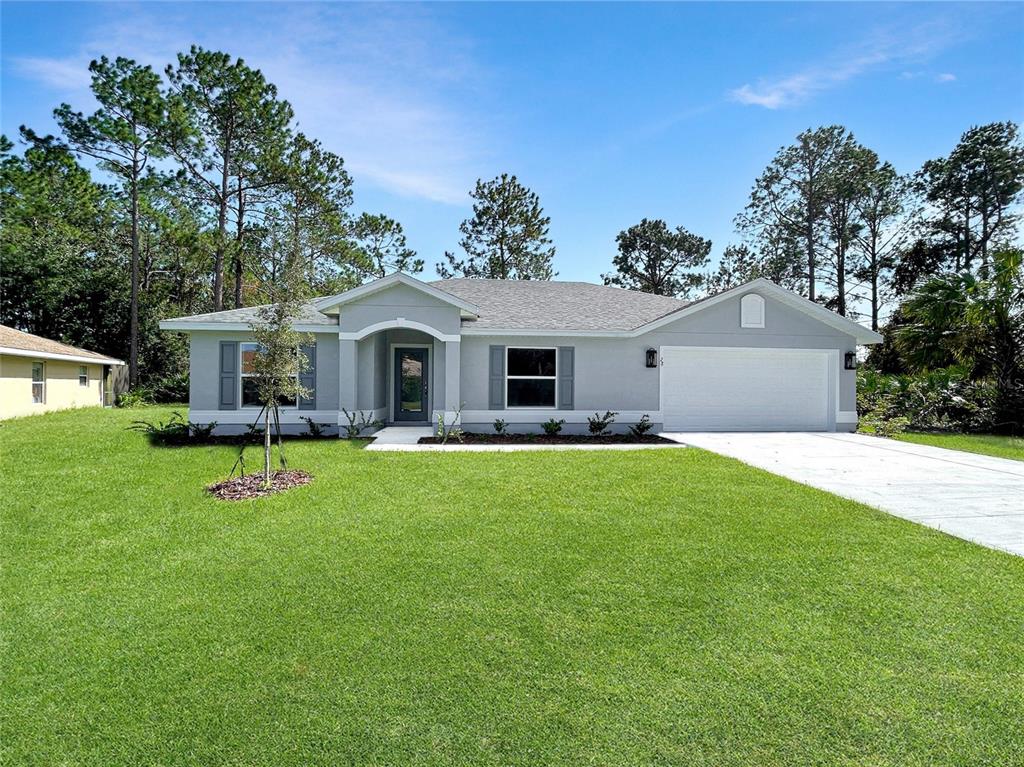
[(401, 351), (38, 375)]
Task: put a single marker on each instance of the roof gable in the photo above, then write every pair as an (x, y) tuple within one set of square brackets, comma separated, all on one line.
[(862, 334), (331, 304)]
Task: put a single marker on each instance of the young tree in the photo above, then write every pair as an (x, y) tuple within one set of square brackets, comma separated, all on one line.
[(279, 360), (655, 259), (382, 247), (122, 135), (507, 237), (974, 191), (229, 134), (788, 200)]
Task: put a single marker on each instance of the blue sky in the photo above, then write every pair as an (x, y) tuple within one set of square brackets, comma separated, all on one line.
[(610, 112)]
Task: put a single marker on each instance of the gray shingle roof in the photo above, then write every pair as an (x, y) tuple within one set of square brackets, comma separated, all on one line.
[(308, 315), (516, 305), (551, 305)]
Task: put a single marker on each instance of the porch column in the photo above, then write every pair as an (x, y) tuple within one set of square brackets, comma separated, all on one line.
[(347, 375), (452, 375)]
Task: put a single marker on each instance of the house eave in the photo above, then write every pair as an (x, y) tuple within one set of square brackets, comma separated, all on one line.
[(189, 326), (10, 351)]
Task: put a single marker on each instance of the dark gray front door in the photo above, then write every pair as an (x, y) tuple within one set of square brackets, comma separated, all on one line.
[(411, 378)]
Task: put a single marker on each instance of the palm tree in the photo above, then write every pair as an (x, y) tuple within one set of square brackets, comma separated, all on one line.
[(976, 321)]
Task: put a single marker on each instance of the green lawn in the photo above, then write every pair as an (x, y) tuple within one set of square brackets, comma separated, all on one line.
[(566, 608), (986, 444)]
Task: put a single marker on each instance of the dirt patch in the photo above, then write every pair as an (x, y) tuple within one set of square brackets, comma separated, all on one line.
[(251, 485), (544, 439)]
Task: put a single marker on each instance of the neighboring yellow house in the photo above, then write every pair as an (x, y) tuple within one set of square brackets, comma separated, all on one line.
[(38, 375)]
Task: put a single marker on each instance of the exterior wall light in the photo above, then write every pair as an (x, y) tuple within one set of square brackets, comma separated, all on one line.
[(652, 358), (851, 361)]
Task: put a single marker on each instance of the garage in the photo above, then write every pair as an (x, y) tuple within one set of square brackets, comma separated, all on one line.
[(746, 389)]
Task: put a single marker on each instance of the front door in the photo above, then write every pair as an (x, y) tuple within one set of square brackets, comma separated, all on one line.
[(411, 385)]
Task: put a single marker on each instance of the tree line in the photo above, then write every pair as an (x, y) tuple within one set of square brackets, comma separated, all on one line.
[(193, 190), (205, 189)]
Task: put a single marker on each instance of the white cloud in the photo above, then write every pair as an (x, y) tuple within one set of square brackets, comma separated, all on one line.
[(880, 50), (64, 75), (383, 86), (945, 77)]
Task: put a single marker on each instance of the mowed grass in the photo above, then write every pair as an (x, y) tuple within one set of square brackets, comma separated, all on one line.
[(985, 444), (549, 608)]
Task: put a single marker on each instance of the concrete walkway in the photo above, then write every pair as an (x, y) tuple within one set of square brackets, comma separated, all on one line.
[(405, 439), (975, 497)]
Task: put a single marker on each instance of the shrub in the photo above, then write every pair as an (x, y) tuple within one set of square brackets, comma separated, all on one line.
[(892, 427), (500, 426), (598, 424), (168, 390), (313, 429), (641, 427), (944, 399), (446, 431), (552, 427), (174, 431), (357, 423), (137, 397), (202, 432)]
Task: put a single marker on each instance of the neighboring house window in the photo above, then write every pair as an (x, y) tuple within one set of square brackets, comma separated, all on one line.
[(83, 375), (752, 311), (250, 397), (531, 377), (38, 383)]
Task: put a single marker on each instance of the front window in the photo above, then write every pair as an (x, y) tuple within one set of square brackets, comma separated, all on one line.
[(250, 394), (38, 383), (83, 375), (531, 377)]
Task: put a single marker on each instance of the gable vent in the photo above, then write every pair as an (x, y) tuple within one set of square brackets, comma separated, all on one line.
[(752, 311)]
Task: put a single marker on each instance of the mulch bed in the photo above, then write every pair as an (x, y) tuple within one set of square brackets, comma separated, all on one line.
[(251, 485), (543, 439)]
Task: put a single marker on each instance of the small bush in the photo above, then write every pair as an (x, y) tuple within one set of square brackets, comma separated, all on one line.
[(175, 431), (357, 423), (500, 426), (641, 427), (598, 424), (446, 431), (552, 427), (138, 397), (169, 390), (313, 429), (944, 400)]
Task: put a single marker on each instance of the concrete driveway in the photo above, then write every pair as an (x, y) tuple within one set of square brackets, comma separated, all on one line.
[(971, 496)]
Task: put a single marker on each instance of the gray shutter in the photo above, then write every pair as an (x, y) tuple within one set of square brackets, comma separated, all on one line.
[(228, 399), (496, 396), (307, 378), (566, 376)]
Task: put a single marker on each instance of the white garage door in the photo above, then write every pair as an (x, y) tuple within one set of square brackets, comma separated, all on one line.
[(744, 389)]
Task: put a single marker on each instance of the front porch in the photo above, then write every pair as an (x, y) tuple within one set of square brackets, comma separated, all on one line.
[(399, 375)]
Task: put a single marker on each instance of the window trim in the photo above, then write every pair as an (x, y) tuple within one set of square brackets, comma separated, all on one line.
[(553, 377), (83, 373), (41, 382), (242, 375)]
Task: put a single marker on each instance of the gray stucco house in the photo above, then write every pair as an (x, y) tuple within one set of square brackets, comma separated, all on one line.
[(756, 357)]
